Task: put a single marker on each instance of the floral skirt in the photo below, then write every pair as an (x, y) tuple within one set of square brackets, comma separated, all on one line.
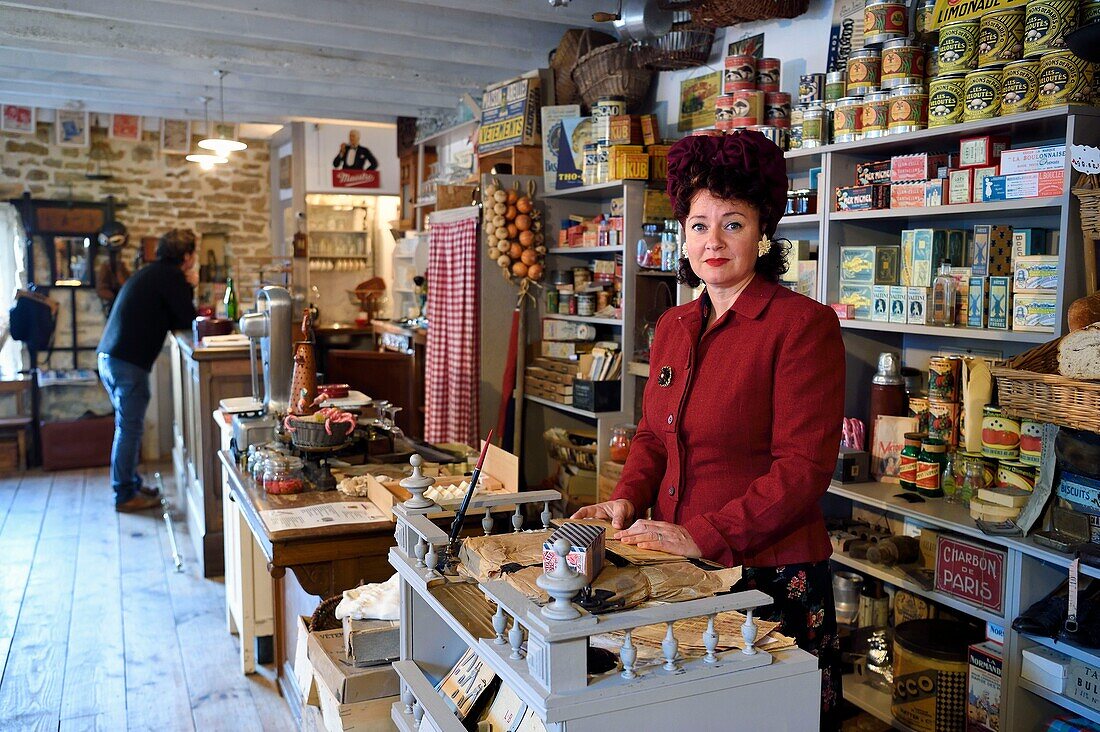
[(803, 607)]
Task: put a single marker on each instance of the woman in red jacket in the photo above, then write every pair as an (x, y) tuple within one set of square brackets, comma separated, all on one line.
[(742, 414)]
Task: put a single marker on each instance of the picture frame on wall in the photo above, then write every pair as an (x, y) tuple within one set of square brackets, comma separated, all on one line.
[(72, 128), (698, 96), (126, 127), (175, 136), (18, 119)]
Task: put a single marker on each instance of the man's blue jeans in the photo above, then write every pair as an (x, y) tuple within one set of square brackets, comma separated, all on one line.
[(128, 387)]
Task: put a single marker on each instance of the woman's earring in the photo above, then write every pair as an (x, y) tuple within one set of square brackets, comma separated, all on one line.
[(764, 246)]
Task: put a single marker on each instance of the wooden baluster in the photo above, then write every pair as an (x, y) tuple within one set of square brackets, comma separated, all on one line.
[(407, 698), (515, 638), (499, 624), (748, 632), (710, 640), (670, 647), (421, 549), (629, 654), (545, 515), (517, 520), (487, 522)]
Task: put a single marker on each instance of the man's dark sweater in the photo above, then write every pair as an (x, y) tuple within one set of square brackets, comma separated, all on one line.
[(153, 301)]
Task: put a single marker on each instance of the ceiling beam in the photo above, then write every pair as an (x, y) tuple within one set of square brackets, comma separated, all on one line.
[(578, 14)]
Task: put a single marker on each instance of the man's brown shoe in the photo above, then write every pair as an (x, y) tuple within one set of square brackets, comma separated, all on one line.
[(140, 502)]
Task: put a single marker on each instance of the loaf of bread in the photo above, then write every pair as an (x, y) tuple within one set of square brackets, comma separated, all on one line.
[(1084, 312), (1079, 353)]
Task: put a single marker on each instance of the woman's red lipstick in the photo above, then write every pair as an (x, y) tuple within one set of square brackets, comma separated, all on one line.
[(715, 261)]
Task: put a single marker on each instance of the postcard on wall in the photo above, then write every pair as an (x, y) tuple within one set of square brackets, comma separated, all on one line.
[(126, 127), (697, 98), (175, 136), (751, 46), (17, 119), (72, 128)]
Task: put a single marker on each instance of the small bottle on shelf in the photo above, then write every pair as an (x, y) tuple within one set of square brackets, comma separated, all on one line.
[(943, 296)]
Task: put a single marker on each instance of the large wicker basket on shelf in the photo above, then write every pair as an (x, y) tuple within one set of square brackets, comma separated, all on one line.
[(1029, 386), (1087, 191), (575, 43), (613, 70)]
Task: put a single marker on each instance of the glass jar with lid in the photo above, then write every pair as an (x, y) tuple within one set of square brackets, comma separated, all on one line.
[(283, 475), (621, 437), (930, 467)]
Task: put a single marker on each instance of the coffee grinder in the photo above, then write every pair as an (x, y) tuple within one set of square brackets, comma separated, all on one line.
[(271, 326)]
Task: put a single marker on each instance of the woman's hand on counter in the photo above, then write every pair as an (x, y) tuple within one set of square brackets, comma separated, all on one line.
[(660, 536), (619, 512)]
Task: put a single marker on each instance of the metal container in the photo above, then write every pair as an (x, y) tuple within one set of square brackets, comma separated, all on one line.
[(930, 671), (814, 127), (609, 107), (884, 21), (836, 85), (1064, 78), (982, 94), (943, 378), (811, 87), (739, 74), (846, 595), (1001, 37), (864, 71), (1089, 12), (908, 109), (779, 135), (1015, 474), (582, 277), (747, 107), (932, 62), (723, 113), (876, 114), (1000, 435), (945, 100), (1019, 86), (777, 109), (848, 120), (767, 74), (958, 48), (922, 23), (1046, 23), (902, 63), (586, 303), (795, 136)]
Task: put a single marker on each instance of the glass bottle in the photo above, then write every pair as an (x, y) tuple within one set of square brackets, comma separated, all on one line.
[(621, 437), (230, 300), (943, 296), (907, 465), (950, 487), (974, 480), (930, 466)]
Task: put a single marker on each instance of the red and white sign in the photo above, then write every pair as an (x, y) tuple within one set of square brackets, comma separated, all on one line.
[(971, 572), (356, 179), (352, 158)]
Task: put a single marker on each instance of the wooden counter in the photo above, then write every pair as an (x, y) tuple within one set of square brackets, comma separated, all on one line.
[(200, 379)]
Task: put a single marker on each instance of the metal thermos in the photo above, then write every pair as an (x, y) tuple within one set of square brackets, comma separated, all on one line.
[(887, 392)]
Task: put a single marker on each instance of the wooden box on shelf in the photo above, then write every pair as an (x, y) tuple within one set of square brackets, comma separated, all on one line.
[(524, 159)]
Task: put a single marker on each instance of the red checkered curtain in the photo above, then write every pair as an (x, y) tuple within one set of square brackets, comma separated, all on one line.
[(451, 369)]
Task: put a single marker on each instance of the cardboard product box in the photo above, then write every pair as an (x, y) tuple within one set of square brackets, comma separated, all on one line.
[(467, 687), (843, 311), (1033, 159), (960, 186), (983, 687), (859, 297), (576, 132), (806, 284), (933, 192), (1038, 273), (625, 129), (656, 207), (898, 303), (995, 633), (651, 129), (852, 466), (632, 166), (567, 330), (504, 713), (962, 292), (608, 478), (347, 683), (1034, 312), (981, 151), (979, 249), (863, 198), (303, 668), (1030, 242), (873, 172), (658, 162), (799, 251), (616, 155), (815, 176), (907, 241), (1083, 684), (929, 246), (509, 115), (907, 195), (916, 167), (370, 642), (560, 350), (586, 551), (928, 543), (957, 248), (580, 487), (916, 305), (887, 265), (857, 265), (880, 308), (368, 716), (976, 299), (908, 606), (558, 366), (999, 296), (1045, 667), (552, 138), (1023, 185), (1000, 251)]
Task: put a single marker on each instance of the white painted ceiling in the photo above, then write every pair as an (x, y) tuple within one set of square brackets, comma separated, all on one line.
[(288, 59)]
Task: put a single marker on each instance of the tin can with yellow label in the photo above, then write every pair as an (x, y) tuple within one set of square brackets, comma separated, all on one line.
[(1031, 443), (848, 120), (1019, 86), (1000, 435), (876, 114), (902, 63), (1090, 12), (1064, 78), (1014, 474), (958, 49), (908, 109), (864, 71), (1001, 37), (982, 94), (883, 21), (1046, 23), (945, 100)]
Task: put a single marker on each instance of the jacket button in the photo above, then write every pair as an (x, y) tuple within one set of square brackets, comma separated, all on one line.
[(672, 490), (670, 419)]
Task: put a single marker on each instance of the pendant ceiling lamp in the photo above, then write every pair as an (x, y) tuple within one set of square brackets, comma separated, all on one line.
[(206, 160), (219, 143)]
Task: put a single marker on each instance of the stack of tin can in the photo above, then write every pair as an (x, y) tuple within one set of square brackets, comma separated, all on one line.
[(751, 99), (596, 157)]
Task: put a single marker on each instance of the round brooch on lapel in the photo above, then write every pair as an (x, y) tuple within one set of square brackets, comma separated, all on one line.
[(664, 377)]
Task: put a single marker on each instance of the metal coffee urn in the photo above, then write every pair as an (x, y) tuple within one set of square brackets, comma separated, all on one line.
[(271, 326)]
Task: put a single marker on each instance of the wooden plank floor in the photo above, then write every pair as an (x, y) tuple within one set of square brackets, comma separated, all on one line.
[(97, 629)]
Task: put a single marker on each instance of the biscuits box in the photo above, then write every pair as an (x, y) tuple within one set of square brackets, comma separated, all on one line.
[(857, 265), (960, 186), (859, 297), (907, 195), (863, 198), (1034, 312), (586, 548), (1023, 185), (1000, 250), (978, 152), (1028, 242), (873, 172), (898, 304), (916, 305), (1035, 273), (983, 687), (999, 290), (887, 265), (880, 308), (919, 166), (1045, 667), (1033, 159), (1083, 684), (975, 303)]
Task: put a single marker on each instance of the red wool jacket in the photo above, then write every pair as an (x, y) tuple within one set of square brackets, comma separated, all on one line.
[(741, 443)]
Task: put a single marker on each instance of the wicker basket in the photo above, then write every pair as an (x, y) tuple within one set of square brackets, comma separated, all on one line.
[(575, 43), (570, 448), (309, 435), (722, 13), (612, 71), (1087, 190), (1030, 386), (680, 48)]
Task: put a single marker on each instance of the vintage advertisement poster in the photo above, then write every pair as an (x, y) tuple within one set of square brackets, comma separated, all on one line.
[(72, 128), (751, 46), (17, 119), (359, 158), (175, 136), (948, 11), (697, 97), (846, 34), (125, 127)]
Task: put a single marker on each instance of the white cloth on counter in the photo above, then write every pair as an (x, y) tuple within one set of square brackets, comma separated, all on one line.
[(378, 601)]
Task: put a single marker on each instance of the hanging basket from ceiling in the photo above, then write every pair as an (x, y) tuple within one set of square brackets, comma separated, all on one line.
[(722, 13), (681, 48), (614, 70), (575, 43)]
